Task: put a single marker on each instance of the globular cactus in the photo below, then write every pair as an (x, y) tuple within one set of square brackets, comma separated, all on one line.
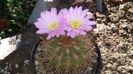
[(69, 54), (68, 48)]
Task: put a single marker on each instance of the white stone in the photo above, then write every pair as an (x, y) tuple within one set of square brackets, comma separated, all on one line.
[(7, 46), (121, 7), (26, 62), (16, 66)]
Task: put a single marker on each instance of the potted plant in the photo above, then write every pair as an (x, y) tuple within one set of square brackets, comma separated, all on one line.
[(69, 47)]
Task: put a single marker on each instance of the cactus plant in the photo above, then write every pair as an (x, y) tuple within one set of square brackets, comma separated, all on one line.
[(68, 48), (64, 55), (67, 53)]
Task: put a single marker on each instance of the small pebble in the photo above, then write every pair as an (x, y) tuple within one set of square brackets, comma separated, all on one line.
[(2, 70), (114, 66), (26, 62), (108, 72), (16, 66), (108, 65), (131, 62), (130, 10), (121, 13), (130, 54), (129, 16), (36, 62), (121, 7), (6, 67), (114, 18)]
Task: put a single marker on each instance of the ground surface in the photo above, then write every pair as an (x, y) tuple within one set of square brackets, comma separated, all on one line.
[(19, 62), (114, 34)]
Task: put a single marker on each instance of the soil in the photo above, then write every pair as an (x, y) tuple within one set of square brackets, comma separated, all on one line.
[(114, 36)]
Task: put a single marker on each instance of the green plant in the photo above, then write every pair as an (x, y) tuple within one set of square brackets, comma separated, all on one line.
[(67, 46), (17, 12), (69, 54)]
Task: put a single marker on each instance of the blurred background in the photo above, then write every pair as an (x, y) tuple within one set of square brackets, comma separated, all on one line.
[(14, 15)]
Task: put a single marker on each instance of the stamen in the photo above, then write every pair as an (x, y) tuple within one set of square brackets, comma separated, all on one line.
[(53, 26), (75, 24)]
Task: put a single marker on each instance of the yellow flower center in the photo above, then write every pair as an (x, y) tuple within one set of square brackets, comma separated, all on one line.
[(75, 24), (53, 26)]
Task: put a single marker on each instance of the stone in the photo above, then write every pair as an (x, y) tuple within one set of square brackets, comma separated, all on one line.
[(6, 67), (121, 13), (16, 66), (108, 72), (108, 65), (129, 16), (121, 6), (114, 18), (131, 62), (100, 15), (36, 63), (26, 62), (114, 66), (1, 70), (130, 10), (114, 9), (7, 46), (130, 54)]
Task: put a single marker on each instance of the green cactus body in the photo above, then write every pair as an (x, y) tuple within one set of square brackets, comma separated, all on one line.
[(68, 54)]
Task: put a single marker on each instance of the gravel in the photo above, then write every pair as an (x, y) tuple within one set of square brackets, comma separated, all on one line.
[(5, 70), (114, 34)]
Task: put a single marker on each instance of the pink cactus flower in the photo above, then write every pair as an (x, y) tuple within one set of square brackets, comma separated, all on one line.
[(50, 23), (78, 21)]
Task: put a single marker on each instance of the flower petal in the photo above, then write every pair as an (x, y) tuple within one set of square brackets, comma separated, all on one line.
[(82, 33)]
